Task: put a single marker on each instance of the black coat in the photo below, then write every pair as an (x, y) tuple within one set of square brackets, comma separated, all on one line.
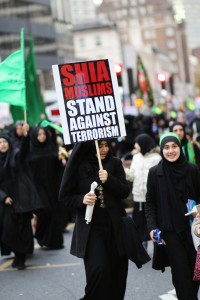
[(45, 168), (115, 189), (15, 221), (16, 181), (81, 171), (157, 193)]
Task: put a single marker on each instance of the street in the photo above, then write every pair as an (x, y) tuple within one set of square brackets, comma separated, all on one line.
[(57, 275)]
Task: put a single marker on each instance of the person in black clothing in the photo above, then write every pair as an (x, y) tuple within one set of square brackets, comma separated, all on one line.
[(101, 242), (45, 167), (169, 186), (17, 134), (190, 149), (15, 217)]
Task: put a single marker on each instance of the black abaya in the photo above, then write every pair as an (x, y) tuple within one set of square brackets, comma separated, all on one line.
[(15, 226), (45, 167), (99, 243)]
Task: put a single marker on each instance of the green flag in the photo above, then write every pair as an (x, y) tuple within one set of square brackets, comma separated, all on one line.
[(144, 88), (46, 123), (12, 78), (34, 99)]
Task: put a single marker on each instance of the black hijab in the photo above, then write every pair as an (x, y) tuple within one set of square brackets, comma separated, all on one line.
[(38, 149), (175, 174), (184, 140), (177, 168), (146, 143), (6, 157)]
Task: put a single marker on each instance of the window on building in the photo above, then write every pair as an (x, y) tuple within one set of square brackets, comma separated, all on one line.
[(149, 34), (123, 24), (124, 12), (133, 12), (98, 41), (150, 9), (174, 68), (116, 4), (169, 31), (168, 19), (133, 2), (142, 11), (171, 44), (82, 43), (121, 13), (148, 21), (173, 55), (124, 2)]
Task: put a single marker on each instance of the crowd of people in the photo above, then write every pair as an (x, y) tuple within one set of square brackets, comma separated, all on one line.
[(31, 168), (44, 180)]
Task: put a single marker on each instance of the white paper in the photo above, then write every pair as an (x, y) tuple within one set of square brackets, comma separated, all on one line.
[(90, 208)]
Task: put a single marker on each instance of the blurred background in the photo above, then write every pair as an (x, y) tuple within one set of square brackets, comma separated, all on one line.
[(154, 44)]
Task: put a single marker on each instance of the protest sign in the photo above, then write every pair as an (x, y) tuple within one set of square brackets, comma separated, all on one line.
[(89, 101)]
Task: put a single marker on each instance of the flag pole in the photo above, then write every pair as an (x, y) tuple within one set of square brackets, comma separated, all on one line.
[(102, 205), (98, 155), (23, 68)]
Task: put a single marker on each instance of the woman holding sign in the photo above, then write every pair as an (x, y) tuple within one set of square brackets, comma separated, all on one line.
[(99, 243)]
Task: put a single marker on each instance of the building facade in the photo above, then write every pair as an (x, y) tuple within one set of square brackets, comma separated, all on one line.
[(150, 24), (48, 22), (188, 11)]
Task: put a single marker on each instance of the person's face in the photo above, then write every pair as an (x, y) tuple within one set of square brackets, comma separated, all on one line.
[(4, 146), (103, 149), (179, 131), (19, 130), (171, 151), (41, 136)]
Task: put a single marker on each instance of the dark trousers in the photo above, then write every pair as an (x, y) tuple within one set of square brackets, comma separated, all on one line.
[(182, 257), (139, 218), (106, 271)]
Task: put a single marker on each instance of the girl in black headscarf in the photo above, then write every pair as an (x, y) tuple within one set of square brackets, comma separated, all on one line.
[(190, 149), (15, 212), (101, 242), (45, 169), (17, 134), (170, 184)]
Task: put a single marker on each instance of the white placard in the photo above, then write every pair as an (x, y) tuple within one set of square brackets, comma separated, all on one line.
[(89, 101)]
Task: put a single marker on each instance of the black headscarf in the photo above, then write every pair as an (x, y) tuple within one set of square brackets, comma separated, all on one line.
[(6, 157), (177, 169), (38, 149), (175, 174), (16, 139), (146, 143), (184, 140)]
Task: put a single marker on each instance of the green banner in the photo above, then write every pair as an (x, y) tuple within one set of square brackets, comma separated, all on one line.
[(12, 78)]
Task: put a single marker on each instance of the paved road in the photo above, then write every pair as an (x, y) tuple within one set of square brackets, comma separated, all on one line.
[(56, 275)]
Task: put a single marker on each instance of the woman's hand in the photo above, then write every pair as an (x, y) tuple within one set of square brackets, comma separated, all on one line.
[(64, 162), (8, 201), (151, 236), (25, 129), (89, 199), (103, 175)]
